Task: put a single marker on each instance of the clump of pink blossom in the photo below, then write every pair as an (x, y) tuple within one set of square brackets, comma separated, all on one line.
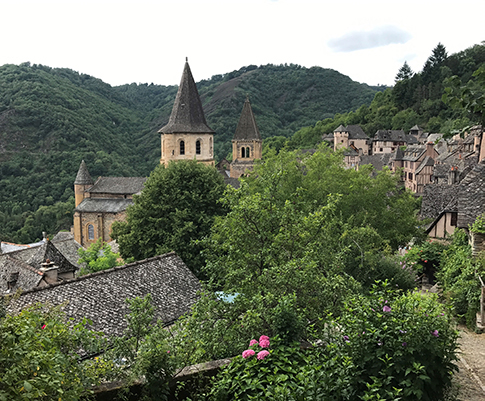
[(435, 333), (262, 354), (264, 342), (248, 353), (253, 342), (386, 308)]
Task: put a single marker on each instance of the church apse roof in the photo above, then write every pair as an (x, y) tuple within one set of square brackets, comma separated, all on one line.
[(118, 185), (247, 129), (187, 113)]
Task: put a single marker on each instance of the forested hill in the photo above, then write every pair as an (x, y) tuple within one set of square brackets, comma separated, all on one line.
[(51, 119)]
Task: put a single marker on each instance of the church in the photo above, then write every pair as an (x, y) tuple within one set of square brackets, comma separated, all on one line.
[(186, 136)]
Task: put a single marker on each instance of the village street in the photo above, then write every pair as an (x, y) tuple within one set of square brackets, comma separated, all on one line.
[(471, 377)]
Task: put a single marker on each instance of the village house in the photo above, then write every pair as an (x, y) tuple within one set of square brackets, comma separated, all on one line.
[(417, 163), (351, 136), (40, 265), (388, 141), (456, 197)]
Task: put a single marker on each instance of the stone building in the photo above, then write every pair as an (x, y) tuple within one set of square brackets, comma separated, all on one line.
[(38, 266), (187, 135), (99, 204), (388, 141), (351, 136), (246, 143)]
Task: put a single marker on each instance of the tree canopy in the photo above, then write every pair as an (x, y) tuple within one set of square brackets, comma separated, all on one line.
[(175, 209)]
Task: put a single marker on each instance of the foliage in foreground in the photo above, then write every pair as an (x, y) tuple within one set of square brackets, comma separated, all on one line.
[(458, 277), (39, 356), (385, 346)]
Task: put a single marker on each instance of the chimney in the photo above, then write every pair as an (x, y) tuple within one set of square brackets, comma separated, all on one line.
[(452, 175), (12, 280), (429, 148), (50, 271)]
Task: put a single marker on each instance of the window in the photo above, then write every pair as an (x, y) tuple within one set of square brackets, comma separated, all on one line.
[(454, 218), (247, 152), (243, 152), (182, 147), (90, 232), (197, 147), (410, 176)]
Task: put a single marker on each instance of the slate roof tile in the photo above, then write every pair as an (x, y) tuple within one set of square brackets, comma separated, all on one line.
[(118, 185), (101, 296)]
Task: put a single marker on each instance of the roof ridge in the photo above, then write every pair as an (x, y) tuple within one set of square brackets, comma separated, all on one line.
[(99, 273)]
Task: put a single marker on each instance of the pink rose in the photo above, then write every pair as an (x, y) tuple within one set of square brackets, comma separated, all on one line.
[(248, 353), (262, 354)]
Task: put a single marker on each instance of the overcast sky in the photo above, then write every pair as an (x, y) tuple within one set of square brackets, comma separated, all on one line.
[(146, 41)]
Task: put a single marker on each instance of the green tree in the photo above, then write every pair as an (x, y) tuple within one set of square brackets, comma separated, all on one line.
[(405, 72), (97, 257), (469, 96), (39, 359), (175, 209)]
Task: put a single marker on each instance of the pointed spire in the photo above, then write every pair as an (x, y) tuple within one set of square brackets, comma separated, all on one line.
[(247, 129), (83, 177), (187, 113)]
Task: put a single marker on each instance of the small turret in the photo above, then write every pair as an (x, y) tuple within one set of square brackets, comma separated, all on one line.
[(82, 182)]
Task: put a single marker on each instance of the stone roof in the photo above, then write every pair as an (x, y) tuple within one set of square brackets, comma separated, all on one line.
[(414, 152), (398, 154), (427, 161), (340, 128), (83, 177), (118, 185), (102, 205), (438, 198), (471, 199), (25, 275), (378, 161), (391, 135), (354, 131), (247, 129), (27, 262), (101, 296), (187, 113)]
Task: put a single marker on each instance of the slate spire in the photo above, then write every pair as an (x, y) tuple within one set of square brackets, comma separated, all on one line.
[(187, 113), (247, 129), (83, 177)]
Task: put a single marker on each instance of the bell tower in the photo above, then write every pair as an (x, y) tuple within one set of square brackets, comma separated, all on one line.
[(246, 143), (187, 135)]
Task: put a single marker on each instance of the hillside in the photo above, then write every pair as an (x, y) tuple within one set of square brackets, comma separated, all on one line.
[(51, 119)]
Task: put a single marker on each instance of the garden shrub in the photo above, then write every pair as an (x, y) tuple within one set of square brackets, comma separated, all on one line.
[(385, 346), (458, 276), (425, 258), (404, 342)]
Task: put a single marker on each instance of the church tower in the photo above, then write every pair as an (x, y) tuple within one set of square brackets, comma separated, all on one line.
[(246, 144), (187, 135)]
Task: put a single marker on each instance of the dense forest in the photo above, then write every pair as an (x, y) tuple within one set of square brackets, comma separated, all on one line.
[(416, 98), (51, 119)]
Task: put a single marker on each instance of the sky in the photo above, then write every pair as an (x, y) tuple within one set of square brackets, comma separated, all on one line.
[(147, 41)]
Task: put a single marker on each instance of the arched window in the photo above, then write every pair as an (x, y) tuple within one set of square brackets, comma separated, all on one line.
[(247, 152), (197, 148), (182, 147), (90, 232), (243, 152)]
